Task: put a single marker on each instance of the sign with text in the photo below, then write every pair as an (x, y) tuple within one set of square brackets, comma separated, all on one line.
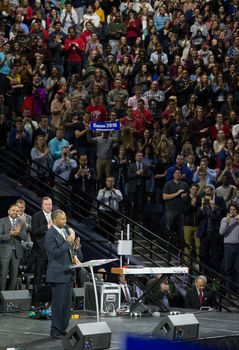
[(104, 126)]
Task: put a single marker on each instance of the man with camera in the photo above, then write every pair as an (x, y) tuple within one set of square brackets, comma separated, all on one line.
[(229, 229), (62, 168), (109, 197)]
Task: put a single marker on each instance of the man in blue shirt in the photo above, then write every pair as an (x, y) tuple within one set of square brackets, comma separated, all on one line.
[(187, 174)]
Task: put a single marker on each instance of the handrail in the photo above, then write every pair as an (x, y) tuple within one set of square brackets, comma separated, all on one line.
[(144, 230)]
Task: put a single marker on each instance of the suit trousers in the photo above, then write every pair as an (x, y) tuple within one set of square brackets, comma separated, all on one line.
[(40, 271), (9, 265), (60, 304)]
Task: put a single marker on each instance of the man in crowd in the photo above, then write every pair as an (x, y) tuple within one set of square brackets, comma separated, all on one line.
[(229, 229), (62, 168), (174, 192), (110, 198)]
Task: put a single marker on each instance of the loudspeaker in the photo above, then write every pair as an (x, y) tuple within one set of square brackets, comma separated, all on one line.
[(94, 336), (78, 298), (15, 300), (175, 327), (108, 296)]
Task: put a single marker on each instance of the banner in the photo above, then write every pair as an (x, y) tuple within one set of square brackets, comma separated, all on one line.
[(105, 126)]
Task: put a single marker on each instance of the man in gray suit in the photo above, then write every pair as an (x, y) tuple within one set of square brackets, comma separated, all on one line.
[(27, 220), (12, 231)]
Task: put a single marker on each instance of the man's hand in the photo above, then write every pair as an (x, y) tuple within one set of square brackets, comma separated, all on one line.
[(180, 191), (71, 237), (15, 231)]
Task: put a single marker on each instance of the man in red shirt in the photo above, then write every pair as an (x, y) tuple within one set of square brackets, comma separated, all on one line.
[(97, 111), (131, 123), (143, 115), (74, 48)]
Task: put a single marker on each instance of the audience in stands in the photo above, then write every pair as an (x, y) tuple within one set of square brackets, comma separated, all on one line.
[(161, 70)]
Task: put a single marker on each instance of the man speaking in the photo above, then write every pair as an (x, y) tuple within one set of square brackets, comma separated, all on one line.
[(63, 250)]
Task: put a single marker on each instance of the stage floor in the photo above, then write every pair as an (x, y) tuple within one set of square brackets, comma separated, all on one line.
[(17, 330)]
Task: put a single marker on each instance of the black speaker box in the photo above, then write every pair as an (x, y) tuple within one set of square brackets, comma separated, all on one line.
[(15, 300), (177, 327), (78, 297), (94, 336)]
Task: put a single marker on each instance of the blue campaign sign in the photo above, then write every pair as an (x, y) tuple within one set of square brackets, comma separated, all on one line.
[(104, 126)]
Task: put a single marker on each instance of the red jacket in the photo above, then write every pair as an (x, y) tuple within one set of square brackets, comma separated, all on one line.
[(74, 52)]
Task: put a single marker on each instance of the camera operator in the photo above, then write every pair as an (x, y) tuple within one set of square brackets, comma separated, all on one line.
[(210, 213), (110, 198), (62, 168)]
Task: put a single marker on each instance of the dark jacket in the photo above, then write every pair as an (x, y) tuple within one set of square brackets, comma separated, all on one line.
[(190, 212), (192, 299), (39, 230), (59, 258)]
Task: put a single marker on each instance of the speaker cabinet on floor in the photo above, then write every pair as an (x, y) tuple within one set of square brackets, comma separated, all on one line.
[(94, 336), (15, 300), (176, 327)]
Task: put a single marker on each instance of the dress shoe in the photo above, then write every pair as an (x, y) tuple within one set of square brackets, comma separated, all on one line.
[(64, 333), (56, 336)]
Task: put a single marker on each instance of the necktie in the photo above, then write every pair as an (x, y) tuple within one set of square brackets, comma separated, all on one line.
[(200, 297), (13, 226), (127, 295)]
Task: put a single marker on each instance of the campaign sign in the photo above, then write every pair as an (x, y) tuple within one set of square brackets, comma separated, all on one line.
[(104, 126)]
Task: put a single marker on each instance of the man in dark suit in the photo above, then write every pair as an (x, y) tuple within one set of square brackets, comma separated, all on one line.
[(200, 295), (60, 243), (83, 182), (137, 174), (12, 232), (41, 223)]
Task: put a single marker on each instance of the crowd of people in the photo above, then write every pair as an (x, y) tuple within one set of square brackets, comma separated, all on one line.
[(168, 72)]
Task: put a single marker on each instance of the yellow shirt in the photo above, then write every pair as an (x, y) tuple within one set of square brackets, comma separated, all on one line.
[(101, 14)]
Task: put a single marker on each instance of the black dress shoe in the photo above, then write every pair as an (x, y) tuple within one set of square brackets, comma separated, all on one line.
[(64, 333), (56, 336)]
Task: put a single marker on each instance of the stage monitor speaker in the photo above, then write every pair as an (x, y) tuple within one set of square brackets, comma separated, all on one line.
[(94, 336), (15, 300), (176, 327)]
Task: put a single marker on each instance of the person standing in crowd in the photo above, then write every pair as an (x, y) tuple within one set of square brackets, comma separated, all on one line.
[(60, 245), (174, 193), (191, 205), (211, 211), (12, 232), (137, 174), (229, 229), (110, 198), (62, 168), (83, 182), (104, 150), (200, 295), (41, 223)]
